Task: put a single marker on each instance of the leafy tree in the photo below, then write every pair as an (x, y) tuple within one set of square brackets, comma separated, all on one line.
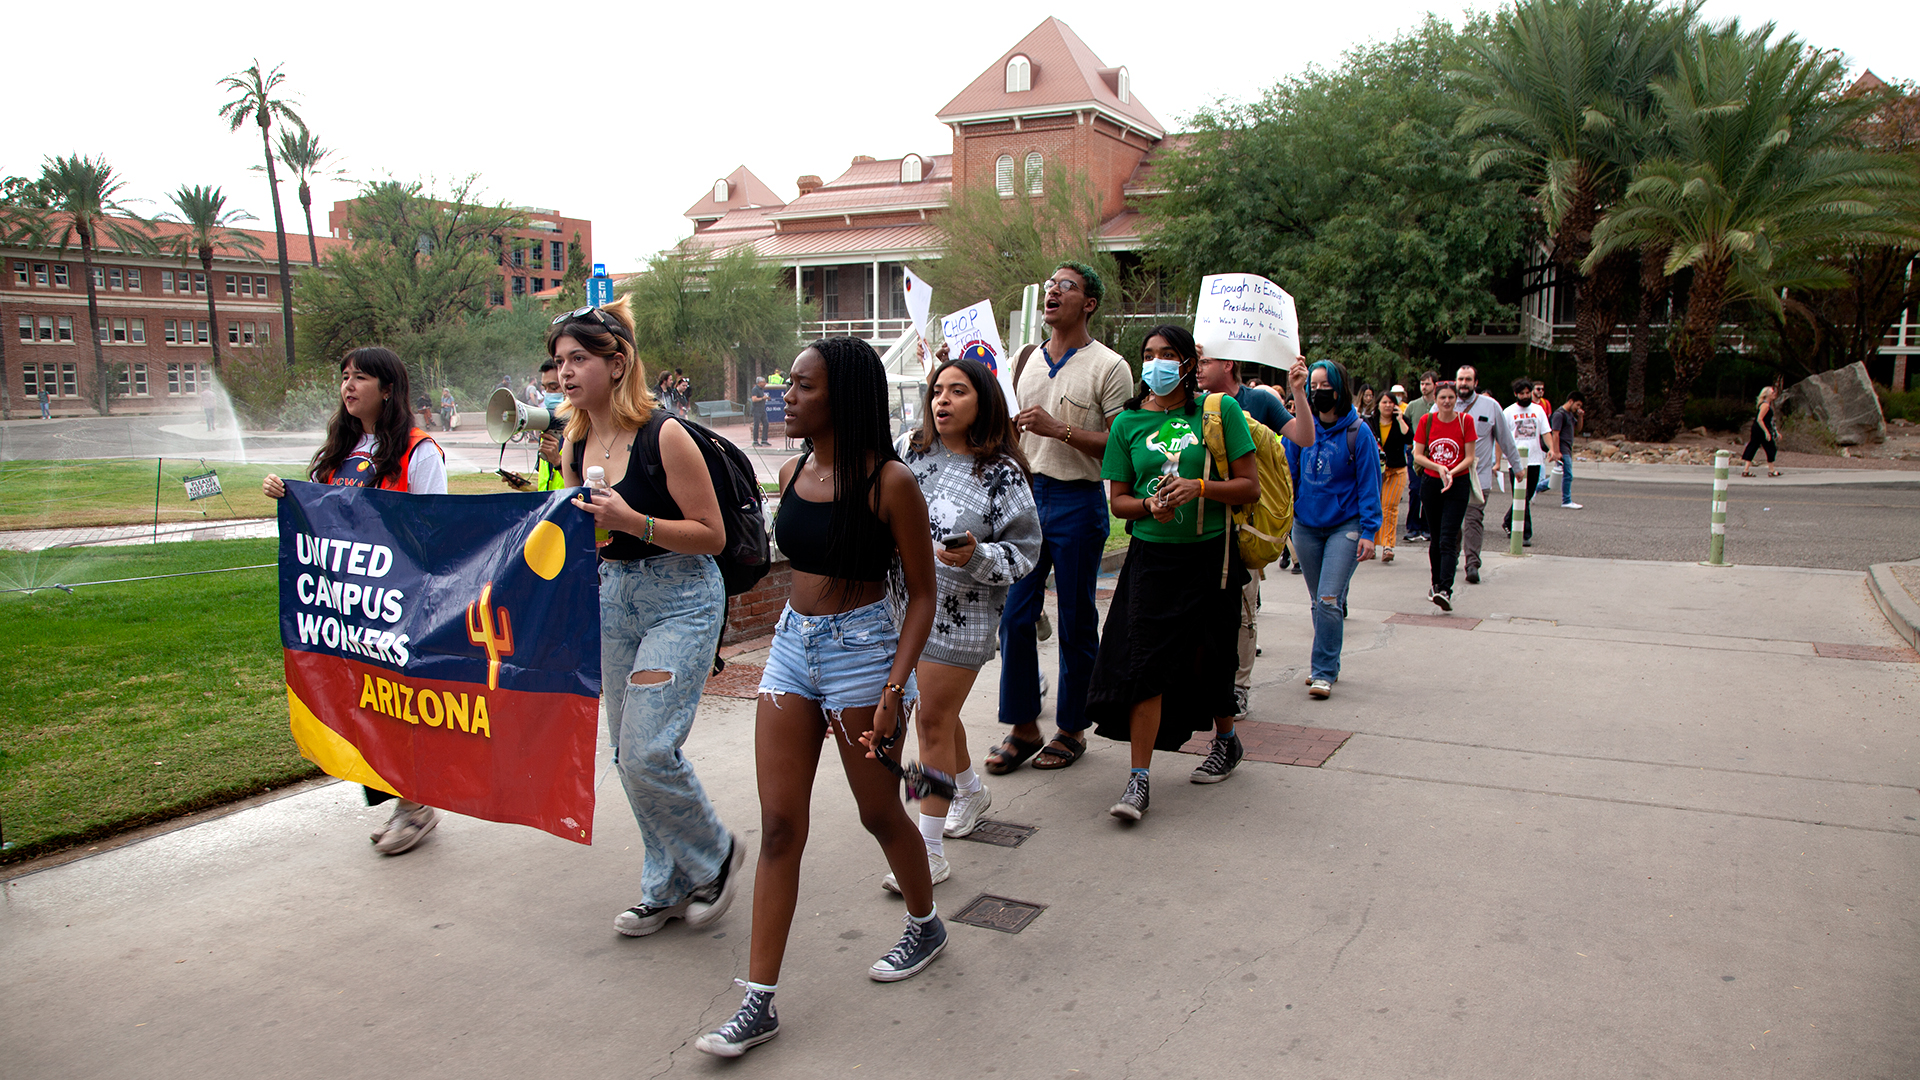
[(256, 102), (708, 315), (418, 264), (208, 225), (1561, 97), (305, 158), (79, 198), (1762, 165), (992, 248), (1349, 188)]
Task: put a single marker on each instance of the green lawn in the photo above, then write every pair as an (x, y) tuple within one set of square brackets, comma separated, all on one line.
[(75, 494), (134, 702)]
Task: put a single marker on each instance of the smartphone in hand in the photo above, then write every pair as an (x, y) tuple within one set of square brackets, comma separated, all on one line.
[(953, 541)]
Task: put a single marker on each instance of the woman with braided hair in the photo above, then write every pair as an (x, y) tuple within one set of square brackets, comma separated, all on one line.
[(840, 668)]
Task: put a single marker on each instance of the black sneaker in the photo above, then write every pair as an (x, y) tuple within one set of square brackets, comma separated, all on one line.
[(1222, 756), (916, 949), (1473, 576), (1442, 598), (753, 1024), (710, 901), (643, 919), (1133, 801)]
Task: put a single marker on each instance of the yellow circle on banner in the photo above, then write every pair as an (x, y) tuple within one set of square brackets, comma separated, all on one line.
[(546, 550)]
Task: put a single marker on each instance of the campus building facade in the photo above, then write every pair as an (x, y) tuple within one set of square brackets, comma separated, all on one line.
[(533, 258)]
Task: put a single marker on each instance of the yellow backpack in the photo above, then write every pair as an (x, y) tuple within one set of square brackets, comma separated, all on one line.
[(1263, 526)]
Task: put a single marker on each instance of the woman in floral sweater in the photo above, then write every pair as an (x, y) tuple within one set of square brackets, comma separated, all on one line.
[(985, 532)]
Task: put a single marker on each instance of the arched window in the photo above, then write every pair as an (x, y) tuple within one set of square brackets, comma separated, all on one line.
[(721, 191), (1035, 166), (910, 169), (1019, 75), (1124, 87), (1003, 176)]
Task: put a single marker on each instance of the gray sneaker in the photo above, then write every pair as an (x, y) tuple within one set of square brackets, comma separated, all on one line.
[(917, 948), (1133, 801), (643, 919), (754, 1023), (410, 824), (1223, 755)]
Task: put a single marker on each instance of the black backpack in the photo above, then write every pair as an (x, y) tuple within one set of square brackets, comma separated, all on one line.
[(748, 554)]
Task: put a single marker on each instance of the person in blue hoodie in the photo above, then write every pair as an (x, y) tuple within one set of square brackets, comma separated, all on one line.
[(1336, 511)]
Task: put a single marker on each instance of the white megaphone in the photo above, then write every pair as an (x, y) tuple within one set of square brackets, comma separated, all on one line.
[(508, 416)]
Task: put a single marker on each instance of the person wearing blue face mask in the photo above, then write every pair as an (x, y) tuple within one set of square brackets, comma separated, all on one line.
[(548, 464), (1165, 668), (1336, 511)]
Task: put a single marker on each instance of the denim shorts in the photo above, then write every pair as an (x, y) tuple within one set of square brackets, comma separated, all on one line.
[(841, 661)]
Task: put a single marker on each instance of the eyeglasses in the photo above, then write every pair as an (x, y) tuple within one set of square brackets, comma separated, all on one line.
[(596, 315), (1059, 285)]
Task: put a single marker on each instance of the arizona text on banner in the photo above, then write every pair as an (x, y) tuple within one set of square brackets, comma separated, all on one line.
[(446, 648)]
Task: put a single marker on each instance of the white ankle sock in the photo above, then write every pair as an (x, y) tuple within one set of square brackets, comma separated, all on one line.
[(968, 780), (932, 830)]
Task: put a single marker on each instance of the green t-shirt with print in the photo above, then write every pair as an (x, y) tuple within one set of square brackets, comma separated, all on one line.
[(1144, 447)]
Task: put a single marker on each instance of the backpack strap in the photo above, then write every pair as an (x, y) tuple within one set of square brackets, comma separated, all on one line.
[(1020, 364)]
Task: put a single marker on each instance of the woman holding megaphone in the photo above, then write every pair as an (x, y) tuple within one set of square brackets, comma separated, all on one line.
[(661, 605)]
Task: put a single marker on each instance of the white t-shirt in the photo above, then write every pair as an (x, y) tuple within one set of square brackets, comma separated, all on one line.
[(426, 471), (1530, 427)]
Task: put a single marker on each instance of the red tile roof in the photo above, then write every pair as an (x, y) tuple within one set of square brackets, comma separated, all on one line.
[(856, 244), (1065, 73), (869, 187), (743, 190), (162, 230)]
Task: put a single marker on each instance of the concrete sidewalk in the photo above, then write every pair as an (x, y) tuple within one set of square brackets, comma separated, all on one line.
[(1638, 819)]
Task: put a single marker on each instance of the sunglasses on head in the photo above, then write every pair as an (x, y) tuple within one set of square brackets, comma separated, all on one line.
[(594, 314)]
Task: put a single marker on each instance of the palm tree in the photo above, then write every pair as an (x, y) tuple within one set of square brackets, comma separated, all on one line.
[(1763, 167), (305, 158), (1561, 98), (203, 210), (257, 103), (81, 201)]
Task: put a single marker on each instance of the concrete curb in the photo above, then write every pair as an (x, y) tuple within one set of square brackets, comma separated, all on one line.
[(1895, 602)]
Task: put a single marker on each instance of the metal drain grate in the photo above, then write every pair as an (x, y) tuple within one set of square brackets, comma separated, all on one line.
[(1001, 833), (1000, 913)]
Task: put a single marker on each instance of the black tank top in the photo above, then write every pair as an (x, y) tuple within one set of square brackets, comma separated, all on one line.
[(804, 531), (644, 487)]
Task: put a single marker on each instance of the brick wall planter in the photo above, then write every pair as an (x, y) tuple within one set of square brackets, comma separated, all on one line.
[(752, 614)]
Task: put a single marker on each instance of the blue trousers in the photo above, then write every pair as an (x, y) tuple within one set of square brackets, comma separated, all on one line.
[(1327, 559), (1073, 531)]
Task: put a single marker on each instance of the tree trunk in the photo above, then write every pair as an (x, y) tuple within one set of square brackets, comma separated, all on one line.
[(1693, 345), (213, 312), (1595, 303), (280, 238), (93, 322), (306, 208), (1654, 284)]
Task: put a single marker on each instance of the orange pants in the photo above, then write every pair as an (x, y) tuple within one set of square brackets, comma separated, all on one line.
[(1393, 484)]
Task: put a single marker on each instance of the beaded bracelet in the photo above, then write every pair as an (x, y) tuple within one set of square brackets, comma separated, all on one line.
[(1068, 437), (898, 688), (648, 538)]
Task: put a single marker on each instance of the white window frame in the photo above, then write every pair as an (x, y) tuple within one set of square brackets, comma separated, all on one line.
[(1003, 176), (233, 285), (115, 278), (133, 279), (137, 331), (45, 332), (722, 191), (60, 275), (1019, 75), (1036, 171), (64, 330)]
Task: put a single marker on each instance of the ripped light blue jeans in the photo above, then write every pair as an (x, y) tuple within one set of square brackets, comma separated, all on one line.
[(1327, 559), (662, 614)]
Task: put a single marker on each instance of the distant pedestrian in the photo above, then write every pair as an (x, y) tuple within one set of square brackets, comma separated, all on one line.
[(1495, 440), (1395, 437), (1566, 421), (1443, 448), (757, 412), (1417, 408), (1336, 513), (1532, 433), (46, 404), (447, 408), (208, 403), (1762, 434)]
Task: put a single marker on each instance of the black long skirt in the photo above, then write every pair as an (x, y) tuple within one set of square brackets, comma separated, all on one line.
[(1172, 633)]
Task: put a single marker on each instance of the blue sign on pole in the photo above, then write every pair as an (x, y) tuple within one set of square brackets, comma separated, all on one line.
[(599, 269), (599, 290)]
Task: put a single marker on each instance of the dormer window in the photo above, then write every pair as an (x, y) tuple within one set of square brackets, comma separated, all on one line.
[(721, 191), (910, 167), (1123, 87), (1019, 75)]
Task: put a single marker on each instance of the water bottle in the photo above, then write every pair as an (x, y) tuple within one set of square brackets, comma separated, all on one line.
[(597, 481)]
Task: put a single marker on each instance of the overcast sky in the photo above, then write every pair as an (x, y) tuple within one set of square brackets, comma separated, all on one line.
[(626, 117)]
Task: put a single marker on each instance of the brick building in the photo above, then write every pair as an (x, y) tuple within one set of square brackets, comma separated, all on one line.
[(155, 332), (533, 259)]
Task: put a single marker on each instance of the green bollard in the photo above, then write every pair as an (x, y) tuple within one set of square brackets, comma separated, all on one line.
[(1717, 541)]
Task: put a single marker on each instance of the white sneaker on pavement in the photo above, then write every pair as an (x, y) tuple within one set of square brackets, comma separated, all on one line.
[(938, 864), (963, 813)]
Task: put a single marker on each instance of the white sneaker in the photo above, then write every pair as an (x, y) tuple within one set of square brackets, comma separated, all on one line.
[(410, 824), (935, 863), (1320, 688), (963, 813), (1569, 506)]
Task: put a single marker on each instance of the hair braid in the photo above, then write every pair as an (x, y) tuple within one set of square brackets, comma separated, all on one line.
[(857, 405)]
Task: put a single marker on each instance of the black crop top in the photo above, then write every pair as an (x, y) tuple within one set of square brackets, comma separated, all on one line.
[(644, 487), (803, 529)]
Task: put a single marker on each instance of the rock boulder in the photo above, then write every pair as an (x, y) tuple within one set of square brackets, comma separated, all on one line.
[(1842, 399)]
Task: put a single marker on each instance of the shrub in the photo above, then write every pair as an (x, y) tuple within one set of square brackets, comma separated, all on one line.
[(257, 382), (311, 401), (1898, 405), (1719, 414), (1803, 434)]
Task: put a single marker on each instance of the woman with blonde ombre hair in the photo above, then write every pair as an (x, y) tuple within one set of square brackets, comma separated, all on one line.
[(661, 606)]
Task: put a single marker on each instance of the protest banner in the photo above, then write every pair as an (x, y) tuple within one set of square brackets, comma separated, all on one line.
[(971, 333), (1247, 318), (919, 301), (446, 649)]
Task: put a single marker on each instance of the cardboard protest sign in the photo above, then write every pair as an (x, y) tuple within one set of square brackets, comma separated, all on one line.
[(919, 301), (446, 649), (971, 333), (1245, 317)]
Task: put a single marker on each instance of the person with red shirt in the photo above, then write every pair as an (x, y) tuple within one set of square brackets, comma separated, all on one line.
[(1443, 450)]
